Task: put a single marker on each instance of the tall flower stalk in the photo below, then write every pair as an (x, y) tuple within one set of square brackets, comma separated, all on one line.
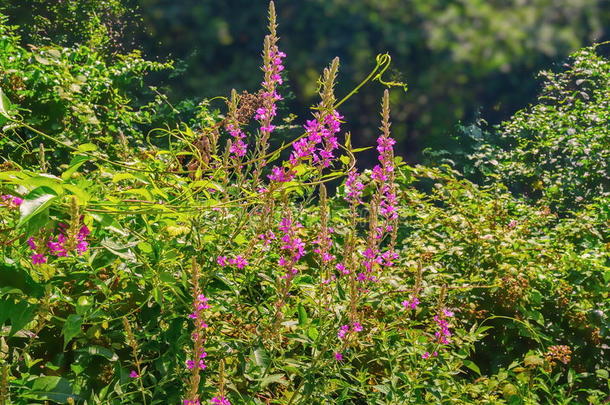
[(320, 140), (272, 68), (197, 361)]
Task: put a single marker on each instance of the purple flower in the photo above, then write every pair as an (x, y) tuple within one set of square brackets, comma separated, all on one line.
[(272, 66), (320, 140), (220, 401), (443, 334), (353, 187), (199, 305), (238, 262), (134, 374), (222, 261), (11, 201), (279, 175), (341, 268), (425, 355), (292, 245), (338, 356), (412, 303), (38, 258), (343, 330)]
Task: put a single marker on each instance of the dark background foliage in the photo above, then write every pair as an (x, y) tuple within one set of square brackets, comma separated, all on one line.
[(464, 60)]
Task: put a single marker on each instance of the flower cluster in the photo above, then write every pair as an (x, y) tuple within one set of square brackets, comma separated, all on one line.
[(345, 329), (373, 256), (272, 68), (293, 246), (443, 334), (200, 304), (238, 261), (384, 171), (238, 146), (281, 175), (61, 246), (353, 187), (267, 238), (11, 201), (320, 140), (426, 355), (324, 244), (411, 303), (342, 269), (220, 401)]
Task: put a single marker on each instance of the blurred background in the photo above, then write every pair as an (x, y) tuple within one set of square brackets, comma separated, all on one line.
[(465, 61)]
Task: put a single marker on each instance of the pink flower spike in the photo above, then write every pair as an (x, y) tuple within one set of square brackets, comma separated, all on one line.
[(220, 401), (222, 261), (448, 313), (38, 259)]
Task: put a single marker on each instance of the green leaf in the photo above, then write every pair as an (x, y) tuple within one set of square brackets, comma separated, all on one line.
[(83, 303), (273, 378), (302, 315), (36, 202), (157, 295), (75, 163), (261, 358), (5, 104), (87, 147), (51, 388), (469, 364), (100, 351), (19, 313), (81, 195), (71, 328), (16, 277)]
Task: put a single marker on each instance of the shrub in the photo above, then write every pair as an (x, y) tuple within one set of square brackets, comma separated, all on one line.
[(214, 265)]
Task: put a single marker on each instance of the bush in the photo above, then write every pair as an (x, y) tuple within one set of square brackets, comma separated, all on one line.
[(557, 150), (214, 264)]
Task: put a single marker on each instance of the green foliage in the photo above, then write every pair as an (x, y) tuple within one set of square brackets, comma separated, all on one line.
[(559, 149), (109, 244), (75, 96), (462, 57)]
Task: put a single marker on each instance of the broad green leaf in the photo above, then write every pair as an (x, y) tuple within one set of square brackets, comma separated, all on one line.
[(469, 364), (51, 388), (19, 313), (87, 147), (261, 358), (5, 105), (75, 163), (100, 351), (274, 378), (35, 202), (71, 328), (302, 315)]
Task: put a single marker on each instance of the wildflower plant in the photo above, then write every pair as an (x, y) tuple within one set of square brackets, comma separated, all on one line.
[(220, 266)]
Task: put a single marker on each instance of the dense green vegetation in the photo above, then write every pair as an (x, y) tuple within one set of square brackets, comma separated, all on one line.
[(463, 59), (227, 251)]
